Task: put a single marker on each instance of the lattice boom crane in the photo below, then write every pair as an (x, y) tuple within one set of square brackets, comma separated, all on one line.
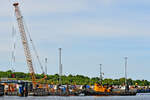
[(25, 42)]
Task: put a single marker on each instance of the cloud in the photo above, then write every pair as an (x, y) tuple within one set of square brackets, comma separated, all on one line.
[(81, 28)]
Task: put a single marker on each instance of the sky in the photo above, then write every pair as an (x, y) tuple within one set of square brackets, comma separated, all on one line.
[(90, 32)]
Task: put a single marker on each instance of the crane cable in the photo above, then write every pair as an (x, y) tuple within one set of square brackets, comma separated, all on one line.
[(13, 48), (33, 46)]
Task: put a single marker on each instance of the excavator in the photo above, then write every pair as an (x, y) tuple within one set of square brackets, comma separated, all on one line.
[(26, 48)]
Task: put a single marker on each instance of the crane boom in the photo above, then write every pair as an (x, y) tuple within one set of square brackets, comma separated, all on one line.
[(25, 42)]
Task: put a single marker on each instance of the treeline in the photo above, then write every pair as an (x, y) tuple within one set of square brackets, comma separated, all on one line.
[(71, 79)]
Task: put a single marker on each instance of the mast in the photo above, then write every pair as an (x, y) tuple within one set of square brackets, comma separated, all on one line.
[(25, 42)]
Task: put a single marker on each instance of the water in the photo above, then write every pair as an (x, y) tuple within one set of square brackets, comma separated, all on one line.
[(138, 97)]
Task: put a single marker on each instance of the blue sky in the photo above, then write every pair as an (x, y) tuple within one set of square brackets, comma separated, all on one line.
[(90, 32)]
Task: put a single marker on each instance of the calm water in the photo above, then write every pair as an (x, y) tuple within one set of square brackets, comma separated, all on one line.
[(138, 97)]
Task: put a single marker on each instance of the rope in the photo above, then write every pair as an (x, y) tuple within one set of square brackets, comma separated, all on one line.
[(13, 38), (13, 48), (34, 49)]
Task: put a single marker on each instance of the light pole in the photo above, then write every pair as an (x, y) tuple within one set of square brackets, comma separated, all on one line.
[(60, 66), (101, 77), (45, 66), (126, 59)]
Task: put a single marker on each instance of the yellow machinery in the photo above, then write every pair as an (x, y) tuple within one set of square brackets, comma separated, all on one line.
[(100, 88)]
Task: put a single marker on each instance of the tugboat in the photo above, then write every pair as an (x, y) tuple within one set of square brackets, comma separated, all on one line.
[(104, 90)]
